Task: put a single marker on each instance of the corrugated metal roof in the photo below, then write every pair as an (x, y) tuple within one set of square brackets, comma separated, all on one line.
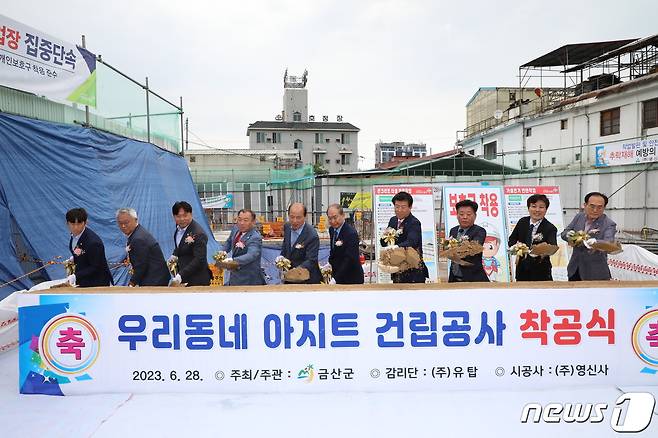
[(634, 45), (571, 54)]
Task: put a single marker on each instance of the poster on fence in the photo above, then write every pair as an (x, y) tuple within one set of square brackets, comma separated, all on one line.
[(34, 61), (491, 217), (348, 340), (422, 209), (516, 207)]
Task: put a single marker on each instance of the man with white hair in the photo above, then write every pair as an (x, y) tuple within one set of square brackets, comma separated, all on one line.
[(143, 251)]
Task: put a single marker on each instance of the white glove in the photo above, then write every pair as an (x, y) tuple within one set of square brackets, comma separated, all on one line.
[(177, 279), (71, 259), (332, 281), (570, 234), (172, 258), (589, 242), (71, 279), (228, 259), (390, 247)]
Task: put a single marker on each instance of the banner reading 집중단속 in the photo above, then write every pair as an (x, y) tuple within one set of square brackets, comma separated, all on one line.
[(349, 340), (33, 61)]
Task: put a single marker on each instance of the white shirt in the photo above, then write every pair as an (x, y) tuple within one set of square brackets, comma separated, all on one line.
[(179, 234), (75, 240), (536, 226)]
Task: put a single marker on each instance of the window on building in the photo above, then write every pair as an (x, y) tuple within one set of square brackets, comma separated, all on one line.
[(490, 150), (577, 158), (564, 124), (319, 137), (192, 159), (298, 144), (327, 161), (276, 137), (296, 116), (260, 137), (327, 140), (319, 159), (338, 140), (650, 114), (345, 138), (387, 156), (528, 132), (553, 160), (512, 96), (534, 163), (610, 122), (345, 159), (338, 161)]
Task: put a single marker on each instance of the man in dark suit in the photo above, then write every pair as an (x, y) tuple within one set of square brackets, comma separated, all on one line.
[(587, 263), (466, 215), (532, 230), (144, 253), (344, 250), (190, 246), (88, 252), (411, 237), (301, 243), (245, 244)]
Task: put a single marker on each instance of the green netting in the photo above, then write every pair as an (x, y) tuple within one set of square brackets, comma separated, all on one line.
[(300, 178)]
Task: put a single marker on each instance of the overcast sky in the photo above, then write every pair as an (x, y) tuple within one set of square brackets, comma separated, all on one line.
[(398, 70)]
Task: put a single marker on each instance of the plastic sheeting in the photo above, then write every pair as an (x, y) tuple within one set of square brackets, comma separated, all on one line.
[(47, 169), (633, 264)]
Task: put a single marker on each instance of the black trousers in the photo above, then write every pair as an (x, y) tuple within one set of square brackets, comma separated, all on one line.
[(575, 277)]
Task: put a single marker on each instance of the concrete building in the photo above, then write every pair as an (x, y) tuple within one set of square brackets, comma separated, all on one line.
[(563, 133), (385, 152), (328, 146), (490, 106)]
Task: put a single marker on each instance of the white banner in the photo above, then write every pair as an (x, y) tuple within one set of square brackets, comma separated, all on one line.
[(354, 340), (491, 217), (422, 209), (634, 263), (627, 152), (516, 198), (219, 201), (33, 61)]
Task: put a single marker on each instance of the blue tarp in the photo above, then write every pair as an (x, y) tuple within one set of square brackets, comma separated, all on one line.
[(47, 169)]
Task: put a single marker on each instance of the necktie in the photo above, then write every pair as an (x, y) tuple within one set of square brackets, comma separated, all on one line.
[(529, 238), (237, 238), (400, 223), (333, 238)]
